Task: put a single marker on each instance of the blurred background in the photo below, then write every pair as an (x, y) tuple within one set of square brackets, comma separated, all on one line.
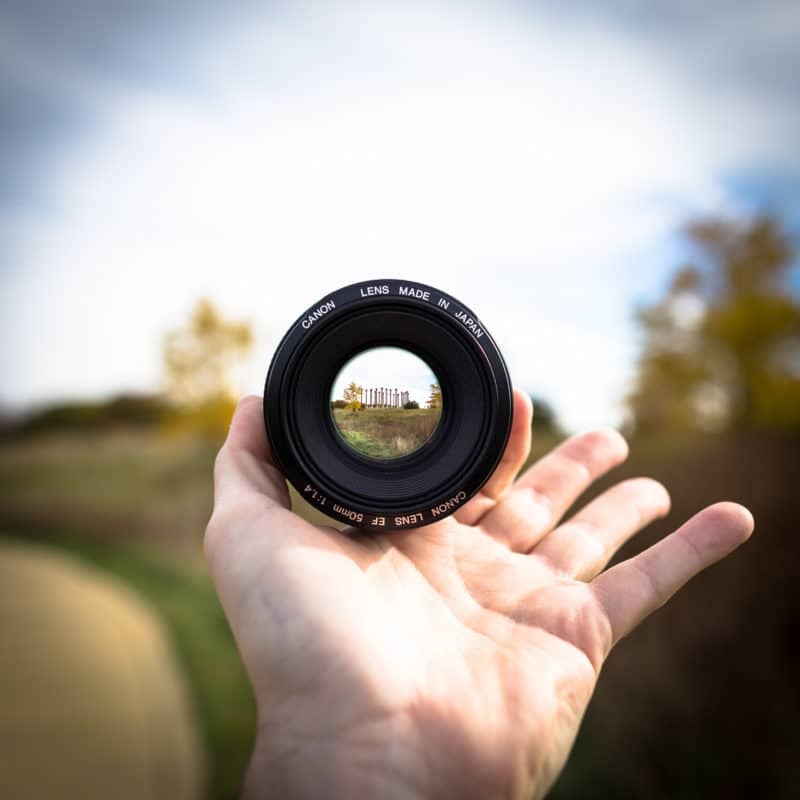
[(614, 187)]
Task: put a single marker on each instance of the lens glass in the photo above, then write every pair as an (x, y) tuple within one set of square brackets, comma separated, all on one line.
[(386, 402)]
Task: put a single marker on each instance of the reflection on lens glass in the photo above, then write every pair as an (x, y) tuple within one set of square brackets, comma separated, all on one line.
[(386, 402)]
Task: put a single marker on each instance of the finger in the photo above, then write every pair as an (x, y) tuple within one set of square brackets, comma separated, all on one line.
[(516, 453), (630, 591), (252, 508), (245, 464), (546, 490), (584, 544)]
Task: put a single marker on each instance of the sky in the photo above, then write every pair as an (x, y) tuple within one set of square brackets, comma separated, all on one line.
[(387, 367), (536, 161)]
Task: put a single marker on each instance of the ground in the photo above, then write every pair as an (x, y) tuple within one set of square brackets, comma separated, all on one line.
[(677, 702), (386, 432)]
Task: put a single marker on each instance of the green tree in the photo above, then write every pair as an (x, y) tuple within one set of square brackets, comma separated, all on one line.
[(435, 399), (722, 348)]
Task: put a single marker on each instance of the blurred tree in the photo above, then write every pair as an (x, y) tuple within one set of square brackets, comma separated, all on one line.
[(545, 419), (200, 357), (722, 349), (124, 411), (200, 360), (435, 400)]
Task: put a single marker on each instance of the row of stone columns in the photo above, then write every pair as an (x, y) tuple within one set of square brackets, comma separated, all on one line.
[(385, 397)]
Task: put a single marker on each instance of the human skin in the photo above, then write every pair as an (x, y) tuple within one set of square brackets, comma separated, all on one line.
[(454, 660)]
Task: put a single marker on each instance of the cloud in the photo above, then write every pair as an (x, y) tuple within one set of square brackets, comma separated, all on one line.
[(526, 167)]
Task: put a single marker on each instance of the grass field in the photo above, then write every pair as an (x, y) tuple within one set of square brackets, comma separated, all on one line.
[(386, 432)]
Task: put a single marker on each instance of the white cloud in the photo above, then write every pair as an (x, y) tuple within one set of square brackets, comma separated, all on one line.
[(517, 165)]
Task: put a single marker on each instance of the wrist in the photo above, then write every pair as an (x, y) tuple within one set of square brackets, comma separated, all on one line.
[(389, 755), (373, 759)]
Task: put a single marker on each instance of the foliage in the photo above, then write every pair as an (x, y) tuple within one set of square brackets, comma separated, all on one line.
[(435, 399), (122, 411), (200, 359), (210, 419), (544, 417), (201, 356), (411, 404), (338, 404), (352, 396), (722, 348)]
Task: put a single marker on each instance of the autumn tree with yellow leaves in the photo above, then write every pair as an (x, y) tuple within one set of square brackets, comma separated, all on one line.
[(353, 394), (722, 349), (200, 361)]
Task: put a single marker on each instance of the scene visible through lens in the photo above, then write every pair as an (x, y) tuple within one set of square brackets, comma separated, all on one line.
[(386, 402)]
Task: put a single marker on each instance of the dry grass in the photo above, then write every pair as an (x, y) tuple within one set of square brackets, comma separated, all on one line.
[(386, 432)]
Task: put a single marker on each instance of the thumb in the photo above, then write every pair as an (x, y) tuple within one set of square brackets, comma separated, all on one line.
[(245, 463)]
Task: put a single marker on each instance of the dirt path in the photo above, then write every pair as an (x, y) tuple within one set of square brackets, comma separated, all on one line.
[(92, 702)]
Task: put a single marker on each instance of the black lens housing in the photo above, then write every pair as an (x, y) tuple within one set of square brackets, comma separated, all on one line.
[(411, 490)]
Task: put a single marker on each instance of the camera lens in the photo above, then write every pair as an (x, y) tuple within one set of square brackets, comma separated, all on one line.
[(387, 404)]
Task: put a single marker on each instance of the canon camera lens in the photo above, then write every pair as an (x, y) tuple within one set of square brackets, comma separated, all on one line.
[(387, 404)]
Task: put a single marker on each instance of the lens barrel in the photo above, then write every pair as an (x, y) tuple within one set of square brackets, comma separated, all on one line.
[(427, 484)]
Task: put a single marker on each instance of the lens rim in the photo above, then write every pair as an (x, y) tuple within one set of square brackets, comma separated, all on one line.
[(442, 474)]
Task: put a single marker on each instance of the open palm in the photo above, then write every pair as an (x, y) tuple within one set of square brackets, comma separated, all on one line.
[(453, 660)]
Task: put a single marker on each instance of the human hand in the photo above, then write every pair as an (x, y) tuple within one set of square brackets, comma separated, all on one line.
[(453, 660)]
